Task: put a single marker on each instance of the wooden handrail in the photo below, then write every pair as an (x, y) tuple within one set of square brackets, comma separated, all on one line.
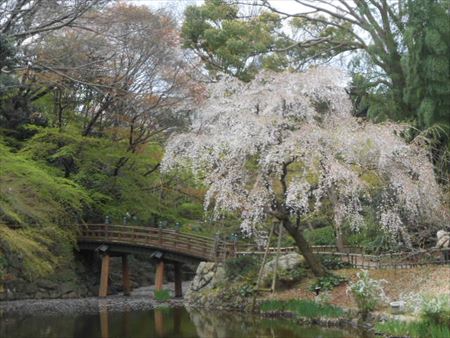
[(165, 239)]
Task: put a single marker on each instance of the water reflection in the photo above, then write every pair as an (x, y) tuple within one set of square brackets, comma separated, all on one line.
[(158, 323)]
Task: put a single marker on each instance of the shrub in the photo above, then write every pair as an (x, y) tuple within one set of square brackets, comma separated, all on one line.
[(321, 236), (240, 267), (328, 282), (162, 295), (333, 263), (246, 290), (367, 292), (432, 309), (436, 310)]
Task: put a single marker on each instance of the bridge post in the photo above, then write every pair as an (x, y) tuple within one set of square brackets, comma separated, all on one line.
[(104, 276), (159, 276), (125, 276), (178, 280)]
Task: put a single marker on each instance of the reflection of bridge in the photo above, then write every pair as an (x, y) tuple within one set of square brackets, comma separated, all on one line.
[(165, 246)]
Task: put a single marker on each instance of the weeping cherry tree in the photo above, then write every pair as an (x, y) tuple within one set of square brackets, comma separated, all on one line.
[(275, 149)]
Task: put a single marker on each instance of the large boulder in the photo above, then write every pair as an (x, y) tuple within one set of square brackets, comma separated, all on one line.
[(288, 266), (207, 276)]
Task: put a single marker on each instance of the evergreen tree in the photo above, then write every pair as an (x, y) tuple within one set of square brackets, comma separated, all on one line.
[(428, 77)]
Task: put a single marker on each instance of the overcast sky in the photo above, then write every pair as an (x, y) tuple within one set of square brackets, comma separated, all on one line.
[(288, 6)]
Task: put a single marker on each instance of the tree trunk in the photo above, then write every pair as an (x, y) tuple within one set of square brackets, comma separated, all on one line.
[(314, 263)]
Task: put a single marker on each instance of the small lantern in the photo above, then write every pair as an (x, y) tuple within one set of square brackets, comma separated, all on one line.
[(317, 290)]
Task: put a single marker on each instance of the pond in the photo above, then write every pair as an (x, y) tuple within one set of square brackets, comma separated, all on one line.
[(167, 322)]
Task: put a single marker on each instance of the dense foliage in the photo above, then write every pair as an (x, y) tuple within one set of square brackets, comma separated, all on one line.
[(84, 114), (37, 213)]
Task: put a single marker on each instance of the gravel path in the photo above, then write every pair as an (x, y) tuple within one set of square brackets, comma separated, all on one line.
[(140, 299)]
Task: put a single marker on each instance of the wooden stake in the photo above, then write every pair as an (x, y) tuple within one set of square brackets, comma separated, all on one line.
[(275, 270), (262, 268)]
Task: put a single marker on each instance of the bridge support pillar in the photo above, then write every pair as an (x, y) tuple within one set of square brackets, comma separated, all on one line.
[(125, 276), (104, 276), (159, 277), (178, 280)]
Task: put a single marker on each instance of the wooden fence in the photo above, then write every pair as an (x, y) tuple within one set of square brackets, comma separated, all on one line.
[(399, 260), (356, 258)]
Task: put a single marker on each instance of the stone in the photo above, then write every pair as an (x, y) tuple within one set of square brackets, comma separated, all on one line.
[(397, 307), (289, 261), (208, 276), (46, 284), (443, 239)]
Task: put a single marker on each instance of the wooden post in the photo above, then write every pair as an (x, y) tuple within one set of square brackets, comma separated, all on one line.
[(275, 270), (258, 280), (178, 281), (104, 276), (125, 276), (159, 276)]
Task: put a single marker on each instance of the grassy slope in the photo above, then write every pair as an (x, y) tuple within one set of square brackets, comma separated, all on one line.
[(35, 210)]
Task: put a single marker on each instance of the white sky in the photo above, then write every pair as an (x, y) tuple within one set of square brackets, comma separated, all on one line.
[(288, 6)]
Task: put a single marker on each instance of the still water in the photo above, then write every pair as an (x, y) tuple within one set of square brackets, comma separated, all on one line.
[(158, 323)]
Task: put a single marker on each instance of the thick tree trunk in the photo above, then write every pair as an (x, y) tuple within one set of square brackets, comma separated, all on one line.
[(296, 231), (314, 263)]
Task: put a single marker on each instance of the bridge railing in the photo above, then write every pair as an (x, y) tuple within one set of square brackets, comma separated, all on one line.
[(164, 239)]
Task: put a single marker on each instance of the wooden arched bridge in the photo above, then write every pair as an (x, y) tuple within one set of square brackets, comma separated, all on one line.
[(165, 246)]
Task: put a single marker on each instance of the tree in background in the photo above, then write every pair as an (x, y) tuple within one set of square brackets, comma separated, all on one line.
[(104, 91), (280, 147), (229, 43), (428, 75), (21, 19)]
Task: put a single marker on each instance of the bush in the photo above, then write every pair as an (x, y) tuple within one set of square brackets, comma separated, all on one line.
[(367, 292), (333, 263), (162, 295), (240, 267), (321, 236), (328, 282), (432, 309), (436, 310)]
